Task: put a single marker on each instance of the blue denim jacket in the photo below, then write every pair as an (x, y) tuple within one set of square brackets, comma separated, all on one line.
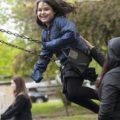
[(58, 39)]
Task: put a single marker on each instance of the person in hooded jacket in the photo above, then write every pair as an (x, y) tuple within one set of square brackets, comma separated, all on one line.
[(59, 36), (20, 109), (109, 89)]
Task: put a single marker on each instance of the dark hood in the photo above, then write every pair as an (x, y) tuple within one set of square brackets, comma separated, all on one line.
[(114, 53)]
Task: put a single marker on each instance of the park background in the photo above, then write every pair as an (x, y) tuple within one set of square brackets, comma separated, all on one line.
[(97, 21)]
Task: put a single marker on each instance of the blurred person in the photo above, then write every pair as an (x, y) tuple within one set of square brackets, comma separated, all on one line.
[(20, 109), (109, 86)]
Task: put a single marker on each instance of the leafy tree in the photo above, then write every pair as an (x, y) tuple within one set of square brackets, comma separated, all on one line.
[(98, 21), (7, 56)]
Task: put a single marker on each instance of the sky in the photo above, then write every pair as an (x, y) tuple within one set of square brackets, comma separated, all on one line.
[(6, 10)]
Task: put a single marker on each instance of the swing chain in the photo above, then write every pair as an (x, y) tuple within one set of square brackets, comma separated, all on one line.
[(15, 46), (20, 36)]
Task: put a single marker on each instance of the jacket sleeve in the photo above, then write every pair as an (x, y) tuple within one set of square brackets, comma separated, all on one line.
[(98, 56), (41, 65), (67, 34), (109, 99), (15, 108)]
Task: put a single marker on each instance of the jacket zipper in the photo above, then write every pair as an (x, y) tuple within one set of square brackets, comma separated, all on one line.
[(48, 35)]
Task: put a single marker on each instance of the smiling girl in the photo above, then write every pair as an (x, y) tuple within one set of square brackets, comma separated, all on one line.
[(59, 36)]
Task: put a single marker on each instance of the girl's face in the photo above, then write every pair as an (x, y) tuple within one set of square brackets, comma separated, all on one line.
[(13, 85), (45, 13)]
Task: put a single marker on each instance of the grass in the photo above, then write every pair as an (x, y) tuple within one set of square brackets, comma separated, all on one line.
[(46, 108), (56, 111)]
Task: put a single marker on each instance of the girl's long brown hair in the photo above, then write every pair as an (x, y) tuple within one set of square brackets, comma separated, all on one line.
[(20, 88), (20, 85)]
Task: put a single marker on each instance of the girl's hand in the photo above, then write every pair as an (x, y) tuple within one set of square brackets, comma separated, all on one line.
[(37, 76), (97, 84)]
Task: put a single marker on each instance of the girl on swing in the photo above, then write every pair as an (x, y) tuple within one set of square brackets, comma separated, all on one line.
[(59, 36)]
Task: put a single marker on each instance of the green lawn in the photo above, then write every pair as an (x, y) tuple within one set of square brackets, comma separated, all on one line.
[(56, 111), (47, 108)]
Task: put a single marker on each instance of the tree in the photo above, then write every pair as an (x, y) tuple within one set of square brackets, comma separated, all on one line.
[(98, 21), (7, 56)]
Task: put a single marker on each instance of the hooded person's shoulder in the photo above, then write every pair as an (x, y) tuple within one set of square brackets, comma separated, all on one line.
[(112, 76)]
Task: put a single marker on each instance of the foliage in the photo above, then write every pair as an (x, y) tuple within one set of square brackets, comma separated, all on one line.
[(7, 56), (98, 21), (71, 1)]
